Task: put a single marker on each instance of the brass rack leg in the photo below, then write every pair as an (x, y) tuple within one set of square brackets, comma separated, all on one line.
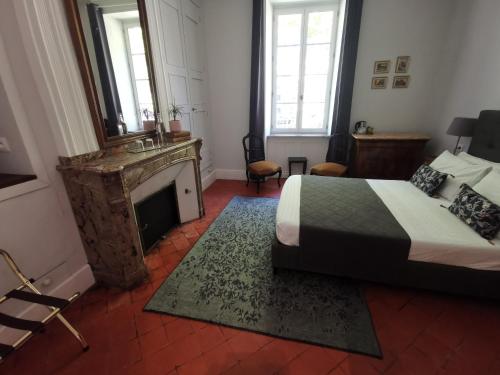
[(74, 332)]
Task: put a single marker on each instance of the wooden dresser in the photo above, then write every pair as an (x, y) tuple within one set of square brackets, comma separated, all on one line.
[(387, 155)]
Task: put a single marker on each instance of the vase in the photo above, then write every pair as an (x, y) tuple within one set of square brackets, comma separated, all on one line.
[(149, 125), (175, 126)]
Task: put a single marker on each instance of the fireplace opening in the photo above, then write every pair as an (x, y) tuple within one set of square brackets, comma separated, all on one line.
[(156, 215)]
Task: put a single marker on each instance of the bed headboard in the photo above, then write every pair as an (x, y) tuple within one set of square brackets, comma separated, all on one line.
[(486, 139)]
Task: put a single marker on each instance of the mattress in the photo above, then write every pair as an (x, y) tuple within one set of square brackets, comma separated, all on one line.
[(436, 235)]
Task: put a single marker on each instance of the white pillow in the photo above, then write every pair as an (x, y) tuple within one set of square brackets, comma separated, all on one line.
[(459, 171), (478, 161), (489, 187)]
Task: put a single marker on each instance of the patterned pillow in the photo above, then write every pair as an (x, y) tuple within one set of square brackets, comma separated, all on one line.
[(428, 180), (477, 212)]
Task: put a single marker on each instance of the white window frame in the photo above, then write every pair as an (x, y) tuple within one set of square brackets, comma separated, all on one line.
[(305, 10)]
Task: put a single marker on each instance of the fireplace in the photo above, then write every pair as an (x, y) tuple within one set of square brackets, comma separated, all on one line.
[(156, 215), (113, 196)]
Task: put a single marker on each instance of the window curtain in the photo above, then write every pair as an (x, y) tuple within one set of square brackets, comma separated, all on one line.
[(257, 77), (338, 148), (106, 71)]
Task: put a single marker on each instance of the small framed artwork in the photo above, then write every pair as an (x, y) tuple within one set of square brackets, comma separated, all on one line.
[(382, 67), (379, 82), (401, 82), (402, 64)]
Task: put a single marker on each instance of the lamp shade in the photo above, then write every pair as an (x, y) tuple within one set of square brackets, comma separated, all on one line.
[(462, 126)]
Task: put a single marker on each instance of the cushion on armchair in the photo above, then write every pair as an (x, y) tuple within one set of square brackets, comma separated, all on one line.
[(263, 167), (329, 169)]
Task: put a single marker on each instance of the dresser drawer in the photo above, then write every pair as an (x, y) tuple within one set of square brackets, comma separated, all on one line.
[(384, 157)]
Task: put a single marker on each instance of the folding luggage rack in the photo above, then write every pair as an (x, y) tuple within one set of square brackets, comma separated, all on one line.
[(54, 305)]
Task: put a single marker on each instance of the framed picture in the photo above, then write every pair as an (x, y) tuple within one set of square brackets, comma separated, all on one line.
[(379, 82), (382, 66), (401, 82), (402, 64)]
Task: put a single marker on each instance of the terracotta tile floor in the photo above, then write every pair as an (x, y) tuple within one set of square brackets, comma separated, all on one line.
[(420, 332)]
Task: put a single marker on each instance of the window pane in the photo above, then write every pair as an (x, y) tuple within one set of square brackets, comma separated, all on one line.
[(312, 115), (289, 26), (319, 28), (143, 91), (287, 63), (287, 89), (286, 116), (317, 59), (140, 67), (315, 88), (135, 39)]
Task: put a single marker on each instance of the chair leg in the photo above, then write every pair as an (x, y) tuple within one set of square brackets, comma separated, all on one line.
[(248, 179), (279, 178), (258, 185)]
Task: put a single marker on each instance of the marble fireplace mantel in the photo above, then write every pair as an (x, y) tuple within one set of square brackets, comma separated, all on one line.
[(101, 186)]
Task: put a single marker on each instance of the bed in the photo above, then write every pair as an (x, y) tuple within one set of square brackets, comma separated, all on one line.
[(388, 231)]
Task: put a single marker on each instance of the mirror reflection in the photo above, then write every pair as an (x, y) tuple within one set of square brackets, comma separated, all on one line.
[(115, 44)]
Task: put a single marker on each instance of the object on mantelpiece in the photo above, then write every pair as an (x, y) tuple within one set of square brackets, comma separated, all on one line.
[(182, 133), (176, 137), (174, 112), (149, 123)]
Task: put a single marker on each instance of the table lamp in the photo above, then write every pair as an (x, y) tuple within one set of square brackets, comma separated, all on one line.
[(461, 127)]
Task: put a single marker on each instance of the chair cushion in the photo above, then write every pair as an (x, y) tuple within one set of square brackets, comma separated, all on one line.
[(329, 169), (263, 167)]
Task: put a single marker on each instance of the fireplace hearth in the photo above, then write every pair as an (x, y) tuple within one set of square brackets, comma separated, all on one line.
[(156, 215)]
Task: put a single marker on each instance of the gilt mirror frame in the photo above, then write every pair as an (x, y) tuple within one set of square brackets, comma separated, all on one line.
[(82, 56)]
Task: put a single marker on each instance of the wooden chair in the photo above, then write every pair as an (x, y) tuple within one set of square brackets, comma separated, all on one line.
[(54, 305), (257, 167)]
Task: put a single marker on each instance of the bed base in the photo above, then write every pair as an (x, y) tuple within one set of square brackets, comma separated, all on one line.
[(421, 275)]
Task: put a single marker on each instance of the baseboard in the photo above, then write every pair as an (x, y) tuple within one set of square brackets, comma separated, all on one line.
[(80, 281), (208, 180), (238, 174), (231, 174)]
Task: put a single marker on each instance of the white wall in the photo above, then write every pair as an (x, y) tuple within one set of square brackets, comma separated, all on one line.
[(228, 41), (391, 28), (469, 79), (38, 227)]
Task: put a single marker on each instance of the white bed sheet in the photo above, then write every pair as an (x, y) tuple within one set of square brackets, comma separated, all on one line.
[(436, 235)]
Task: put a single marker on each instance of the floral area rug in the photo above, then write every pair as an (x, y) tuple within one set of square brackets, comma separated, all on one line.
[(227, 278)]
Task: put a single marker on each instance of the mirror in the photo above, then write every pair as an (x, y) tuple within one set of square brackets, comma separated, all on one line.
[(112, 44)]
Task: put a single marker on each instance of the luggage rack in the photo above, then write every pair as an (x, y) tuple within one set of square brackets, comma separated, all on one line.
[(54, 305)]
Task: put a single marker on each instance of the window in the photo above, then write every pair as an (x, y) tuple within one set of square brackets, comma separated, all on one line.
[(139, 72), (303, 50)]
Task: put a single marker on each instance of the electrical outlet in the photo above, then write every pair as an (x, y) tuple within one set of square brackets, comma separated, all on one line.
[(4, 145)]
